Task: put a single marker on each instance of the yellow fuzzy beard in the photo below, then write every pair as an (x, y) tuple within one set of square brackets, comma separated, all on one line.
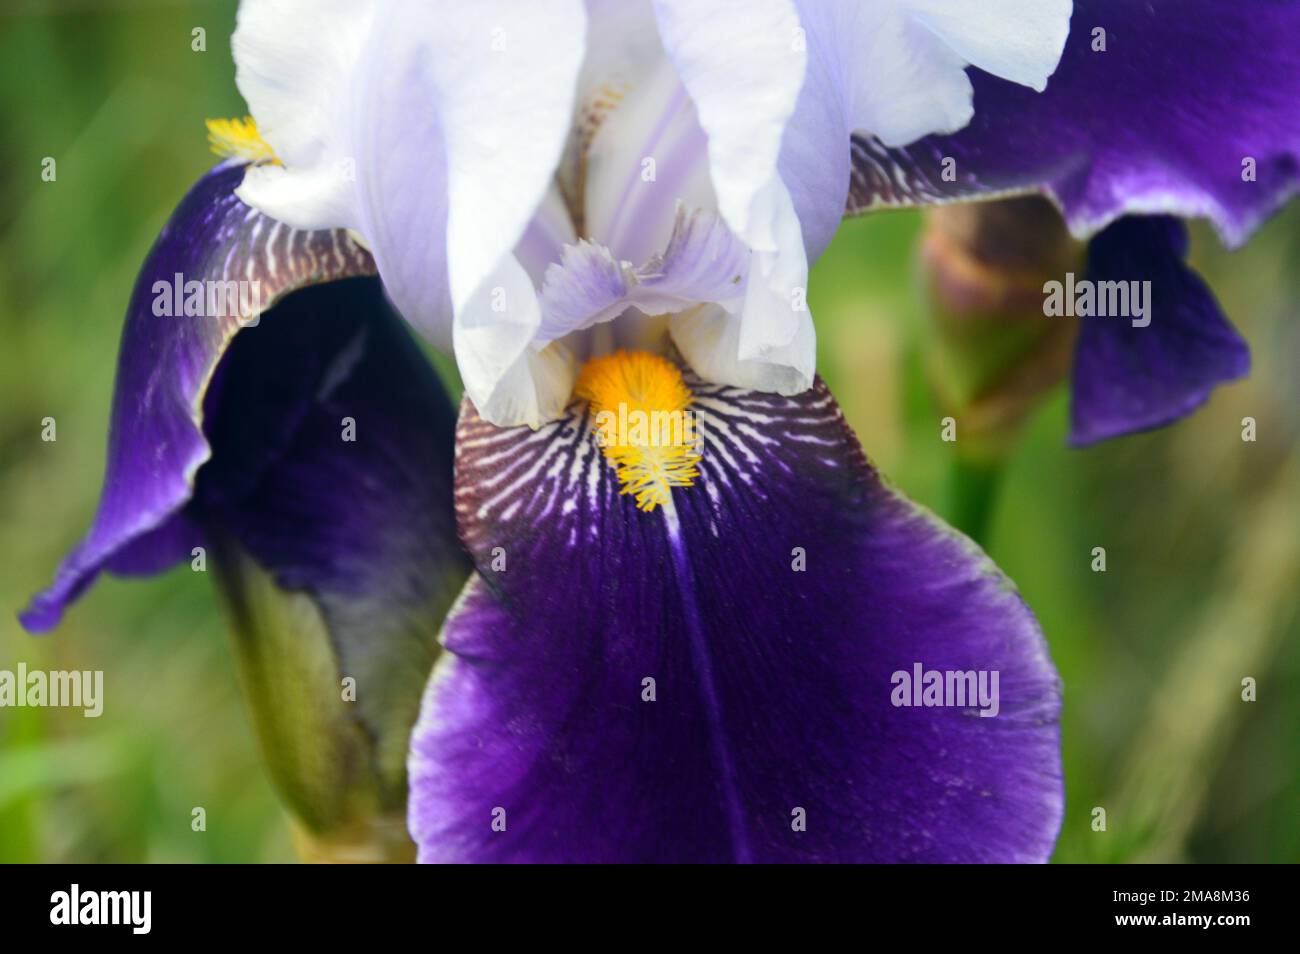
[(639, 402), (239, 139)]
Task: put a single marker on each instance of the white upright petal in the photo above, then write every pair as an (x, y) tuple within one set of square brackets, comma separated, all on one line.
[(902, 63), (896, 69), (622, 47), (298, 84), (543, 242), (505, 73), (743, 64), (742, 61), (1019, 40), (647, 155), (509, 380), (402, 185), (431, 127), (709, 339), (776, 293)]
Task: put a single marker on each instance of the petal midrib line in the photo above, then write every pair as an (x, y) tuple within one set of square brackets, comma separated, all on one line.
[(708, 691)]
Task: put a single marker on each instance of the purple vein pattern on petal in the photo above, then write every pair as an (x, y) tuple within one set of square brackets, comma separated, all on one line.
[(156, 444), (772, 687), (704, 262), (1128, 378), (1187, 96)]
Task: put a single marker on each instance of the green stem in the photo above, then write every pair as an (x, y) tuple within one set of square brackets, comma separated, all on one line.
[(971, 496)]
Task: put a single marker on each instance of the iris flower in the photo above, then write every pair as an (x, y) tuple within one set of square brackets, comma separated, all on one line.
[(677, 642)]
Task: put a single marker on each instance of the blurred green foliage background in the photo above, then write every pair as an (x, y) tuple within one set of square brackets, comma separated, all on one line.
[(1202, 530)]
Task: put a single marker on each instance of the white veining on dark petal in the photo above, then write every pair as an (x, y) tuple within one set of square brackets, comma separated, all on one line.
[(884, 177), (281, 259), (557, 473), (737, 427), (508, 474)]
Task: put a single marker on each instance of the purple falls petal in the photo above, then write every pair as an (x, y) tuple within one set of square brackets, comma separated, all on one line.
[(772, 686), (1189, 111), (1127, 378), (156, 444), (318, 443)]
